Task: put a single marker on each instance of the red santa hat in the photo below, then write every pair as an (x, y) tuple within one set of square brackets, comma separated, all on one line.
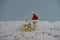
[(34, 17)]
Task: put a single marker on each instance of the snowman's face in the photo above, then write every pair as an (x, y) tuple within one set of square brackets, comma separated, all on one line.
[(34, 22)]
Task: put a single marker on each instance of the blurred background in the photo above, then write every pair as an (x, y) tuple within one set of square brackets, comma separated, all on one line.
[(16, 10)]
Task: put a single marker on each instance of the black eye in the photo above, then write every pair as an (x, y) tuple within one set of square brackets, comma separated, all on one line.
[(34, 22), (25, 25)]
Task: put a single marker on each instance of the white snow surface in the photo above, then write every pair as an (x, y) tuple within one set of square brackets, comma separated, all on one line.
[(45, 30)]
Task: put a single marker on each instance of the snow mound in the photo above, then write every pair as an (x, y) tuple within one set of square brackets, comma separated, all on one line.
[(45, 30)]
